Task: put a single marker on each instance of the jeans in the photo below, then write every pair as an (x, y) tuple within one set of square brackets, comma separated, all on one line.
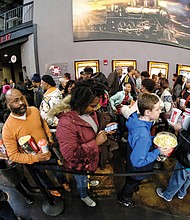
[(40, 172), (82, 185), (179, 182)]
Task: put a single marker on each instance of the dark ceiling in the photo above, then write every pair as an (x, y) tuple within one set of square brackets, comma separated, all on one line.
[(12, 50)]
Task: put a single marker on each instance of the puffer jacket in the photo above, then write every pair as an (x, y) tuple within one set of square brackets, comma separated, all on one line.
[(77, 142)]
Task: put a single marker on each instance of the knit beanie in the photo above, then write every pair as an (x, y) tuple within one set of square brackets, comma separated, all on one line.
[(36, 78), (5, 89), (48, 79)]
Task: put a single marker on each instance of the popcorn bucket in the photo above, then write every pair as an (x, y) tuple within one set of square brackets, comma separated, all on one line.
[(28, 144), (166, 141)]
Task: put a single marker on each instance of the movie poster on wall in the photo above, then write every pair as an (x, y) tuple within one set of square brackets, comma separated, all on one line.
[(155, 21)]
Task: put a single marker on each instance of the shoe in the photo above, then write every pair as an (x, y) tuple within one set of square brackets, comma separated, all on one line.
[(136, 189), (55, 193), (29, 201), (66, 187), (89, 202), (160, 193), (180, 197), (126, 203), (94, 183)]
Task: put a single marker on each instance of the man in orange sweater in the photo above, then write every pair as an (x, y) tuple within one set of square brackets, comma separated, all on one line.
[(22, 121)]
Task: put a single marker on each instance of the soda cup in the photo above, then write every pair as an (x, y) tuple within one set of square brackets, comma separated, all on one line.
[(182, 102), (175, 115), (42, 144), (2, 147), (187, 110), (185, 120)]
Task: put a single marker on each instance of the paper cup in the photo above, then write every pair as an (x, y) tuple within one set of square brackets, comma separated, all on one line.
[(187, 110), (185, 120), (175, 115), (182, 102), (42, 144)]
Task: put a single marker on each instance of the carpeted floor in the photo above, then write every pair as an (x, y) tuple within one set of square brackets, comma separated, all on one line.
[(147, 195)]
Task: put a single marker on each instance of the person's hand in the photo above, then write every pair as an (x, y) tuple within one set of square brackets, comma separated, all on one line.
[(182, 108), (101, 137), (132, 103), (43, 156), (166, 152), (177, 126)]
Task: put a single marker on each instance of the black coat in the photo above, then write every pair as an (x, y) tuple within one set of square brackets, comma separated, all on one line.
[(183, 149)]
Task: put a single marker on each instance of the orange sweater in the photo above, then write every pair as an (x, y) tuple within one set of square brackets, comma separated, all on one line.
[(15, 128)]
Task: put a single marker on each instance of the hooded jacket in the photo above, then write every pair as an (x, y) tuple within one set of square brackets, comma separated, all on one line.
[(141, 153), (51, 98), (77, 142)]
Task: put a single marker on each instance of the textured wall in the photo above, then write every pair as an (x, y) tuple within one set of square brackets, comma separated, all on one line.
[(55, 43)]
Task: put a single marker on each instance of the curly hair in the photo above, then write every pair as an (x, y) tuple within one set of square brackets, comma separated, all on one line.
[(84, 93)]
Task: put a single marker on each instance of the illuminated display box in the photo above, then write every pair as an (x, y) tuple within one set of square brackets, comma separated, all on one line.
[(155, 68), (183, 70), (80, 65)]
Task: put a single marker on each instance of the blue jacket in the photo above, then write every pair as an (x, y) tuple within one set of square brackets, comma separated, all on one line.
[(141, 152)]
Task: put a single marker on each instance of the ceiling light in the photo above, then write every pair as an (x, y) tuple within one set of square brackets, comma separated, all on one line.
[(6, 55)]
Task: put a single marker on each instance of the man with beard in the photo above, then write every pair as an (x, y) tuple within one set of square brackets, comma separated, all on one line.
[(38, 93), (24, 121)]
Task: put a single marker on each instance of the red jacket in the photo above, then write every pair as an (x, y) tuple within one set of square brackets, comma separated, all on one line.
[(77, 142)]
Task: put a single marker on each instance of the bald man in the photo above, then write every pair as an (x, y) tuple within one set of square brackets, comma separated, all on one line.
[(24, 120)]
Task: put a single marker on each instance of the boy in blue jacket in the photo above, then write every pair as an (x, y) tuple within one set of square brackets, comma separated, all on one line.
[(140, 149)]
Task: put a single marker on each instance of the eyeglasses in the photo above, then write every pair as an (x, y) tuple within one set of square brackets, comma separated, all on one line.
[(18, 100)]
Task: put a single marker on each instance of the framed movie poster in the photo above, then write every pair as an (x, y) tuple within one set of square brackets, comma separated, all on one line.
[(80, 65), (158, 67), (183, 70), (155, 21), (124, 64)]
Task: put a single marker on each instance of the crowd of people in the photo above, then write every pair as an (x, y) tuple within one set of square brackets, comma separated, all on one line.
[(73, 116)]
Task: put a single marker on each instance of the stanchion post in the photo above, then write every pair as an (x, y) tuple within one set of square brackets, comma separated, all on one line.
[(46, 194), (51, 206)]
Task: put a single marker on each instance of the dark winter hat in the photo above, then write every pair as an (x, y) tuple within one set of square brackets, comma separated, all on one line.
[(48, 79), (36, 78)]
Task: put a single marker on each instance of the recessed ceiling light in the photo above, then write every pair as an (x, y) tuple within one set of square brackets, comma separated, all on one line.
[(6, 55)]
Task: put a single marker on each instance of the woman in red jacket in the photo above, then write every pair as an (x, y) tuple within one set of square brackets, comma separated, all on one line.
[(77, 133)]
